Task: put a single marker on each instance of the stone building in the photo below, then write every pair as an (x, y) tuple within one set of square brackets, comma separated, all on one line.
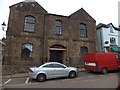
[(1, 51), (35, 36)]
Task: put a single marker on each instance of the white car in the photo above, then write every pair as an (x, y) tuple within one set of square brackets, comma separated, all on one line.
[(51, 70)]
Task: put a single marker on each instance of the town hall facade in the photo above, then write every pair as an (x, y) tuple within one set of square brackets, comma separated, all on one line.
[(35, 36)]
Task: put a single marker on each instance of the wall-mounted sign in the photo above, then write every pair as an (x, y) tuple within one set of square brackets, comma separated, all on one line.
[(106, 42)]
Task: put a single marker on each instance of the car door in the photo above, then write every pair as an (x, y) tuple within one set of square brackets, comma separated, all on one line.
[(49, 70), (59, 70)]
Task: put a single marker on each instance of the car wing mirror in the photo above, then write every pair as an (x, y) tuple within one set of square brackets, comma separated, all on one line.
[(64, 67)]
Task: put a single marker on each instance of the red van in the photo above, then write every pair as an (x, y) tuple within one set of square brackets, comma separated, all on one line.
[(102, 62)]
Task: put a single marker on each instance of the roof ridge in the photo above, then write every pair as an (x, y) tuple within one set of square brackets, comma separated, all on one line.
[(29, 1), (107, 26)]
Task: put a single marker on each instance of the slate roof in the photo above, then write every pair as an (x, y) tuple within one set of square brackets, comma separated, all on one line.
[(100, 25)]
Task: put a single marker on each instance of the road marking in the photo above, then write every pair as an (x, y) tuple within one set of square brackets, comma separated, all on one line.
[(79, 78), (20, 85), (91, 76), (27, 80), (102, 75), (111, 74), (92, 80), (30, 82), (8, 81), (65, 80), (51, 81), (86, 80)]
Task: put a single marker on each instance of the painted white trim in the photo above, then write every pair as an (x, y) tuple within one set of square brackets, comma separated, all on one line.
[(57, 49)]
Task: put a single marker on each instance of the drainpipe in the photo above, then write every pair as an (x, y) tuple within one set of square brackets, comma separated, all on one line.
[(43, 40), (101, 43)]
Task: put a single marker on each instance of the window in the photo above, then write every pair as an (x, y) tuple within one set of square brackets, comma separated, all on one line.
[(112, 41), (83, 30), (26, 51), (29, 24), (53, 66), (48, 66), (58, 27), (58, 66), (111, 29), (83, 51), (118, 56)]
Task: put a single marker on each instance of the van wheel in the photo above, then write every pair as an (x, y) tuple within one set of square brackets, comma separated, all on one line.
[(104, 71), (41, 77)]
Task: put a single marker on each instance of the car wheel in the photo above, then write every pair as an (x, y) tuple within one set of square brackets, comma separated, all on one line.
[(104, 71), (72, 74), (41, 77)]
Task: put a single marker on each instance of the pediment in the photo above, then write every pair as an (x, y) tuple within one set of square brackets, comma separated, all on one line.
[(28, 6), (81, 14)]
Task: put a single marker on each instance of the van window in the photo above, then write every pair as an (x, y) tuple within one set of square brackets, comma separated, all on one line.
[(118, 56)]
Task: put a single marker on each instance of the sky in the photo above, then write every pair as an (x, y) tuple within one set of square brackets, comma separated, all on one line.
[(103, 11)]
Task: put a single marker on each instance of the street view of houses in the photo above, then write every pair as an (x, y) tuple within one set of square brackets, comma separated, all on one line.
[(34, 37)]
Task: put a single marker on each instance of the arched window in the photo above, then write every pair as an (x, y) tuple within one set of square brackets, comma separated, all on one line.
[(26, 51), (29, 24), (83, 30), (58, 27), (83, 51)]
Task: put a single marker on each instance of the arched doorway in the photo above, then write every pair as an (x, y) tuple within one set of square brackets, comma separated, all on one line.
[(57, 53)]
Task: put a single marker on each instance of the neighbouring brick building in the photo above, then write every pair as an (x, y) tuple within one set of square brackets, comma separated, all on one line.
[(34, 36)]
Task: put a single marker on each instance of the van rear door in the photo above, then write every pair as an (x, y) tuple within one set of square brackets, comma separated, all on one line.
[(118, 60), (90, 61)]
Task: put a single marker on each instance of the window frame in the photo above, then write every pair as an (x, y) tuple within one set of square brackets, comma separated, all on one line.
[(48, 66), (58, 66), (29, 23), (111, 29), (112, 41), (83, 30), (81, 52), (58, 27), (118, 56), (23, 52)]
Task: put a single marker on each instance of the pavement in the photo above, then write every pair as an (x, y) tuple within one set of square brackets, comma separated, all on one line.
[(20, 75)]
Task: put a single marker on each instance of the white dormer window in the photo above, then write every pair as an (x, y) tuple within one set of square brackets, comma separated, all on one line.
[(111, 29)]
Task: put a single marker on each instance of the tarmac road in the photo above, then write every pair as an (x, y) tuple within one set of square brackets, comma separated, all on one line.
[(84, 80)]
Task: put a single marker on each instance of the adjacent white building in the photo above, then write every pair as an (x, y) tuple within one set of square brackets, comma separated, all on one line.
[(108, 38)]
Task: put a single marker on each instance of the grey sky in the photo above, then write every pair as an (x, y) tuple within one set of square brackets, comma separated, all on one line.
[(103, 11)]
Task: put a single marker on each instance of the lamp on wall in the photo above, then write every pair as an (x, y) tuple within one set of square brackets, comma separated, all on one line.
[(3, 26), (2, 44)]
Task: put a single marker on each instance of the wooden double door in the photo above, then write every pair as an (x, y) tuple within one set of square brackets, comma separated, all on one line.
[(56, 56)]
